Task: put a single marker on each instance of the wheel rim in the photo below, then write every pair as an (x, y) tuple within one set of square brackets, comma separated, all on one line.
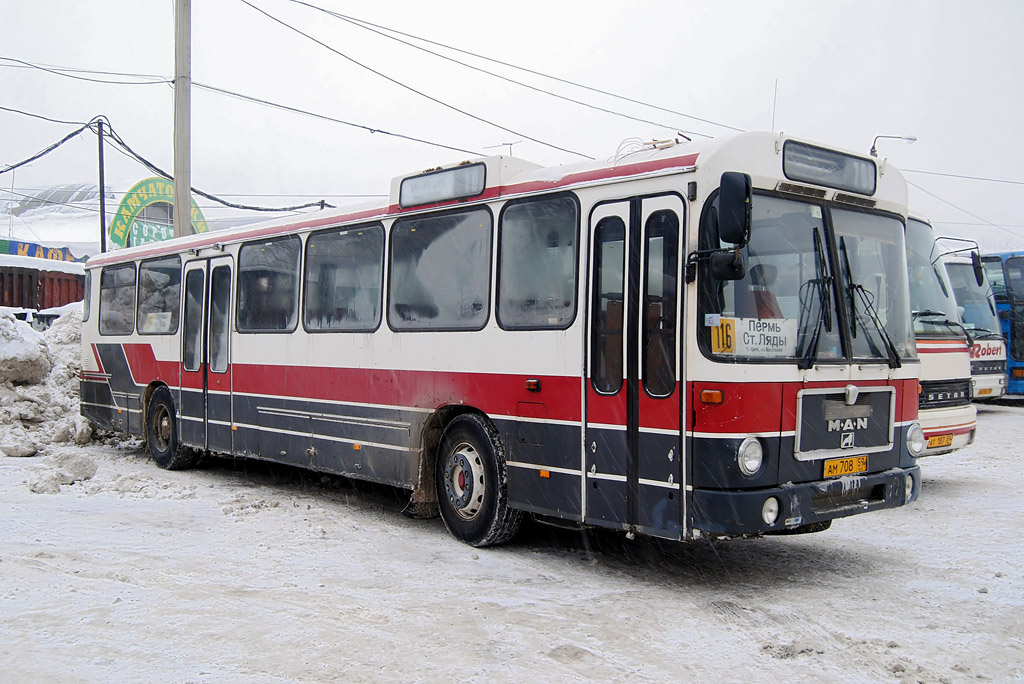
[(464, 480), (162, 428)]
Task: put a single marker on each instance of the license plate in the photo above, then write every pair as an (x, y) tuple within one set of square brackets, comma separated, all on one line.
[(940, 441), (846, 466)]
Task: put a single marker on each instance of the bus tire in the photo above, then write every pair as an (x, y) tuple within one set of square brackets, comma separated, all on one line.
[(162, 433), (471, 482)]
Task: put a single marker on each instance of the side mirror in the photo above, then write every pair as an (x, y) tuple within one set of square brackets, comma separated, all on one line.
[(979, 269), (727, 266), (734, 207)]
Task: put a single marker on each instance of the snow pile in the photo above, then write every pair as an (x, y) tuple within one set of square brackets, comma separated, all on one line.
[(39, 386)]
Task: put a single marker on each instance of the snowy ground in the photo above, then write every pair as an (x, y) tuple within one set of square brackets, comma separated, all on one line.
[(248, 572)]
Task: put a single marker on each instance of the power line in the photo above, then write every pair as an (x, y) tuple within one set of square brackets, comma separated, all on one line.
[(523, 69), (410, 88), (223, 91), (62, 71), (983, 220), (955, 175), (118, 142), (295, 110), (373, 29)]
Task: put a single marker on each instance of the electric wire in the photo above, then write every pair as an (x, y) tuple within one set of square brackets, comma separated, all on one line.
[(295, 110), (960, 176), (410, 88), (983, 220), (371, 28), (60, 71), (526, 70)]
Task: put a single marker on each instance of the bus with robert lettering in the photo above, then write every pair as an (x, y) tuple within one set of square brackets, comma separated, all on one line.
[(977, 308), (1005, 271), (689, 340), (946, 414)]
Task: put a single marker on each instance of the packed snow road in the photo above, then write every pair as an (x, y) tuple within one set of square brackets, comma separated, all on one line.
[(246, 572)]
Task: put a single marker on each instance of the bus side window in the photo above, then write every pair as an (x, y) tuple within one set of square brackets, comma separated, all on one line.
[(159, 295), (117, 300), (607, 316), (440, 272), (537, 264), (343, 279), (192, 353), (268, 285)]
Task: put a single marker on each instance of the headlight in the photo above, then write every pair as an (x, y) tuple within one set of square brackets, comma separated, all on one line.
[(770, 510), (915, 439), (749, 456)]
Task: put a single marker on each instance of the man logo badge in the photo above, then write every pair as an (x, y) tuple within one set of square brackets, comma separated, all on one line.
[(847, 441)]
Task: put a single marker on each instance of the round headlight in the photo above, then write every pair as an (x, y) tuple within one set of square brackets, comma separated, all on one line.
[(770, 510), (749, 456), (915, 439)]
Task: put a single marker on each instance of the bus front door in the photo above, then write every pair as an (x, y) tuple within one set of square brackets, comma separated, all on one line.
[(205, 404), (633, 447)]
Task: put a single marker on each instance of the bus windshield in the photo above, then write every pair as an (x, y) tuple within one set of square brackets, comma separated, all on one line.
[(931, 296), (785, 308), (977, 308), (1015, 277)]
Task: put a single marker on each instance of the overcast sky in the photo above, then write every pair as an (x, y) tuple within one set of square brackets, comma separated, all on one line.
[(841, 73)]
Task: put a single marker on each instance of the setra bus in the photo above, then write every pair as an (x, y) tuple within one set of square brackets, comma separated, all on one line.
[(1005, 271), (686, 341), (978, 314), (947, 416)]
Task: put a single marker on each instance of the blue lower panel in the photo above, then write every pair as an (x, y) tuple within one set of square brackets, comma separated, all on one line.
[(739, 512)]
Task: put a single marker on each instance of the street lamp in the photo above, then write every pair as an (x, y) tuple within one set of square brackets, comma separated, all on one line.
[(907, 138)]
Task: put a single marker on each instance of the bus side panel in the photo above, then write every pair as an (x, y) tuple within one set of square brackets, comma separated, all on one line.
[(365, 442), (543, 464)]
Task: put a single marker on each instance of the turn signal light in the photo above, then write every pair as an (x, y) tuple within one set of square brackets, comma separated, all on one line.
[(711, 396)]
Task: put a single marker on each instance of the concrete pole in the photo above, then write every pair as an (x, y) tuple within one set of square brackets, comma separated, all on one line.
[(182, 117)]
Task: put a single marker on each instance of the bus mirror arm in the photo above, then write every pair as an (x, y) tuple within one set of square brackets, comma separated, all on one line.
[(726, 264)]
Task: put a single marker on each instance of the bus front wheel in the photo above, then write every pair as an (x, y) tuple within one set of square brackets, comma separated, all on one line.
[(471, 483), (162, 433)]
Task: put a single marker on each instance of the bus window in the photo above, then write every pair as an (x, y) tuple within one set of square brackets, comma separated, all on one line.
[(537, 264), (268, 285), (994, 272), (220, 305), (117, 300), (159, 296), (660, 304), (440, 272), (87, 300), (343, 279), (192, 354), (609, 266)]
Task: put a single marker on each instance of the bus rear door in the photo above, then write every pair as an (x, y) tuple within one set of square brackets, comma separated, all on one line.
[(205, 411)]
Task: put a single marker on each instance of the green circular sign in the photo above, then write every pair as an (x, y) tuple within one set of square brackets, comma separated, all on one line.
[(146, 193)]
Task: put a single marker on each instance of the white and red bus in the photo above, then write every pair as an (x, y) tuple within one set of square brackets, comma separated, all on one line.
[(689, 340), (947, 416), (977, 307)]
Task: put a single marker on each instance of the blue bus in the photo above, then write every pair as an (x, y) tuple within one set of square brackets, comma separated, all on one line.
[(1005, 272)]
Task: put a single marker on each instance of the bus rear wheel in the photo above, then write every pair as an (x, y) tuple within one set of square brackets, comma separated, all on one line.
[(471, 483), (162, 433)]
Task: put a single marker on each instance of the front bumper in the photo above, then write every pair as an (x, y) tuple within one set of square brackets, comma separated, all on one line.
[(739, 512)]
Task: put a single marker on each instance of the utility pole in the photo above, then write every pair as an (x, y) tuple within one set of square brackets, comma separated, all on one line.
[(182, 119), (103, 194)]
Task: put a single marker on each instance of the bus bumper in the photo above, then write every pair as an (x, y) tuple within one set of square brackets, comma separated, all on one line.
[(799, 505)]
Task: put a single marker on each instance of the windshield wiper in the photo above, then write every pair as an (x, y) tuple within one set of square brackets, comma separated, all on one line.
[(869, 307), (824, 287), (928, 313)]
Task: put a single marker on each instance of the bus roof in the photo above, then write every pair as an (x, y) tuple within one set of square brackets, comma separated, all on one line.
[(756, 153)]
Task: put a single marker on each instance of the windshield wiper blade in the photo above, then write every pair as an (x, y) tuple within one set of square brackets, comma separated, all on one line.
[(890, 348), (824, 287), (928, 313)]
